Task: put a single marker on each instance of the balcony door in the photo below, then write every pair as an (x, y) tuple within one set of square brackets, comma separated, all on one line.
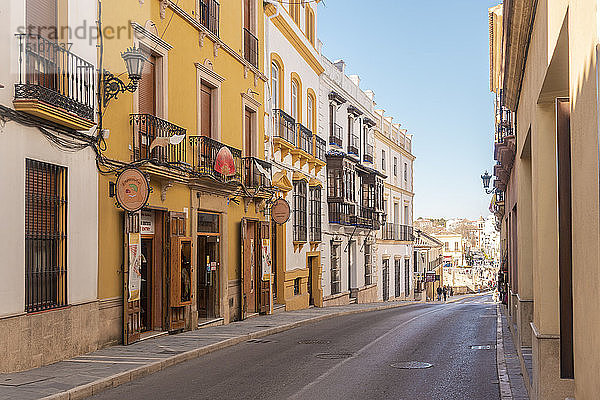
[(147, 105), (205, 110), (42, 18), (248, 134), (42, 63)]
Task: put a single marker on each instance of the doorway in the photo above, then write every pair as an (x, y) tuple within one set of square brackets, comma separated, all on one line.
[(146, 286), (208, 277), (312, 261), (351, 263), (386, 279)]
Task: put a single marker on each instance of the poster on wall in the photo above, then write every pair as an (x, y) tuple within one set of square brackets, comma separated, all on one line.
[(135, 264), (266, 259)]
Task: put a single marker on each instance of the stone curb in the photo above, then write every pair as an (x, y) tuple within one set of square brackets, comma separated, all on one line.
[(100, 385), (503, 378)]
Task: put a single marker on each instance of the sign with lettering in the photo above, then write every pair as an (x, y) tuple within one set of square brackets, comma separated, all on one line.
[(132, 189)]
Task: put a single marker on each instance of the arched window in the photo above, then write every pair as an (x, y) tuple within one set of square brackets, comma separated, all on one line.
[(310, 25), (294, 100), (309, 112), (275, 85)]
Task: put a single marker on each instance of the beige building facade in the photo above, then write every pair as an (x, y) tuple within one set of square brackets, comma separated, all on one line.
[(545, 75)]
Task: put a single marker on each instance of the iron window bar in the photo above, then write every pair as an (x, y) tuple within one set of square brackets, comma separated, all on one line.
[(320, 148), (209, 15), (335, 135), (305, 142), (257, 172), (205, 151)]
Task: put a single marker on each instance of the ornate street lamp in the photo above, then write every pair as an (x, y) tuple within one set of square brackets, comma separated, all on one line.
[(113, 86), (486, 183)]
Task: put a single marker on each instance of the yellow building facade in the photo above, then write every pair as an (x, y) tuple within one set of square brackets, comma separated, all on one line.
[(195, 127)]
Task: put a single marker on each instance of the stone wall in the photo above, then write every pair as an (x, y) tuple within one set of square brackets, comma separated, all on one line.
[(367, 294), (340, 299)]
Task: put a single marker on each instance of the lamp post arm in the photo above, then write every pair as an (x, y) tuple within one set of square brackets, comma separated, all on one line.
[(113, 86)]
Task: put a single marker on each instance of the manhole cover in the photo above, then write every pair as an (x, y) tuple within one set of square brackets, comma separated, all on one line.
[(260, 341), (411, 365), (314, 341), (485, 347), (333, 356)]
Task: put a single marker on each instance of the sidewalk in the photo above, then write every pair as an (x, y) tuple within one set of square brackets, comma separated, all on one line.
[(512, 386), (89, 374)]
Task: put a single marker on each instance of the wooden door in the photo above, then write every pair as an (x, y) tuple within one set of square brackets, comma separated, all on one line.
[(131, 309), (386, 280), (202, 279), (176, 306), (248, 133), (249, 267), (205, 110), (311, 299), (265, 303), (147, 86)]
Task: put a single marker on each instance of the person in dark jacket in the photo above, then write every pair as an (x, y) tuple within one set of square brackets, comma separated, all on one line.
[(445, 291), (439, 293)]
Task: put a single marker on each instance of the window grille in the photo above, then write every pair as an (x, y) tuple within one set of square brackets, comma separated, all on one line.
[(300, 212), (336, 278), (368, 265), (45, 236), (398, 285), (315, 214), (296, 286), (407, 276), (383, 160)]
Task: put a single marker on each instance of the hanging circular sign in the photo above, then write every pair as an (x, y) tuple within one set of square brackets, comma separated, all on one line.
[(280, 211), (132, 189)]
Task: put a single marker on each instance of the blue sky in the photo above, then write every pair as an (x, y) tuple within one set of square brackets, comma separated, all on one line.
[(427, 62)]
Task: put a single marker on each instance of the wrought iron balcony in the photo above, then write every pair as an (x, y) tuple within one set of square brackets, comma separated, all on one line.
[(51, 74), (354, 144), (209, 161), (368, 156), (305, 142), (285, 127), (257, 173), (398, 232), (320, 148), (209, 15), (335, 135), (146, 129), (250, 48), (353, 215)]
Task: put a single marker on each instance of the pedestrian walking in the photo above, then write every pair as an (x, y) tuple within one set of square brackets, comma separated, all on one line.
[(439, 293), (451, 291), (445, 291)]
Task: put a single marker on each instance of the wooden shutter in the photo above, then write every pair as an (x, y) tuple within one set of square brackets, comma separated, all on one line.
[(205, 110), (147, 87), (42, 15), (248, 133), (131, 309), (247, 14), (243, 304)]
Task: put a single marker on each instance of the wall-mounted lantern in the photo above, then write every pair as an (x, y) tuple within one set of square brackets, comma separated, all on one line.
[(113, 86)]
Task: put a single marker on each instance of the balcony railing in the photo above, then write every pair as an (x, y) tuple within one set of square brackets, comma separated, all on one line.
[(352, 215), (209, 15), (250, 48), (353, 145), (210, 162), (399, 232), (304, 138), (257, 173), (51, 74), (320, 148), (368, 156), (335, 134), (285, 127), (146, 130)]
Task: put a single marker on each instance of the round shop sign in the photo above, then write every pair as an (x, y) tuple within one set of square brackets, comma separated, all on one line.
[(280, 212), (132, 189)]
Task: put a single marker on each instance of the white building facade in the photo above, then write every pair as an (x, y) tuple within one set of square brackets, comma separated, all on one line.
[(49, 230), (394, 158), (354, 188), (296, 149)]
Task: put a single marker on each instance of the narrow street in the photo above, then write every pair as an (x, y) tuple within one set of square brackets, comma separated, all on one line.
[(349, 357)]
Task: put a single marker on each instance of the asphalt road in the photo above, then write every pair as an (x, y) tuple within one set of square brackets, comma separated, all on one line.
[(347, 357)]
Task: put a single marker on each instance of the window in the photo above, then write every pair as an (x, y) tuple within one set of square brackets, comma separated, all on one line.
[(309, 113), (456, 247), (407, 276), (45, 236), (368, 265), (405, 171), (395, 166), (383, 160), (446, 246), (294, 100), (275, 85), (208, 13), (336, 278), (398, 276), (296, 286), (295, 12), (310, 25), (300, 211), (315, 214)]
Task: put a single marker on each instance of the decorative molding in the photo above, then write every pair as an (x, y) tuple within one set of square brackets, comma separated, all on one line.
[(146, 34), (201, 36), (164, 186), (248, 97), (216, 46), (208, 71), (163, 8)]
